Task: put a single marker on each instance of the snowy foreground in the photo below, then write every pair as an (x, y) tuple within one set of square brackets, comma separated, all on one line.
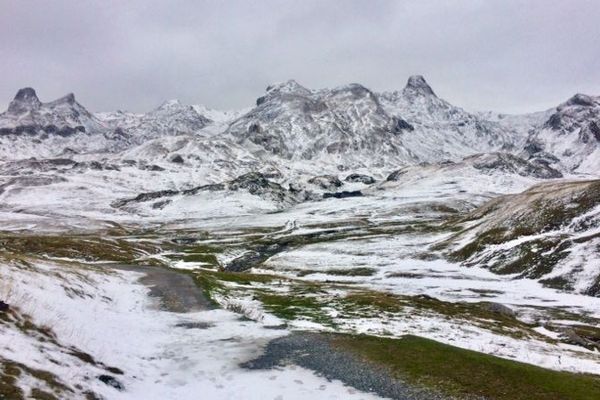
[(122, 326)]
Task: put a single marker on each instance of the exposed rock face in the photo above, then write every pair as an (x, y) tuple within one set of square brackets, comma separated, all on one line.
[(342, 194), (31, 127), (417, 86), (513, 164), (25, 100), (366, 179), (254, 182), (177, 159), (169, 119), (570, 138), (396, 175), (326, 182), (293, 122)]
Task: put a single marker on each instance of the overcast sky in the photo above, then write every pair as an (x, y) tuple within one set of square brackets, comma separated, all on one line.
[(510, 56)]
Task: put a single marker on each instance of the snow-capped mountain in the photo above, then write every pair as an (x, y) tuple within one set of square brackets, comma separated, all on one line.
[(348, 128), (355, 126), (30, 128), (26, 114), (345, 128), (570, 136), (169, 119), (346, 124), (443, 131)]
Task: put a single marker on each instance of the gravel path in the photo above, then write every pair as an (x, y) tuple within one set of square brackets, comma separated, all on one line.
[(176, 291), (315, 352)]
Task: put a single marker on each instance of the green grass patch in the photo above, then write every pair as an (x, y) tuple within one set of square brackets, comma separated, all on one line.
[(87, 248), (293, 307), (466, 373)]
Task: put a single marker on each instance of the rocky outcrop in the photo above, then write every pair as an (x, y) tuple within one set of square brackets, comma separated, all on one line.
[(360, 178), (326, 182), (509, 163)]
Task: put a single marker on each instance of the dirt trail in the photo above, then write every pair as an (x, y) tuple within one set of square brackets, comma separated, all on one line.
[(176, 291)]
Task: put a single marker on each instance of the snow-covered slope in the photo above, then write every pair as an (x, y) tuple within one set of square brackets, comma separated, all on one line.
[(549, 232), (442, 131), (348, 128), (346, 125), (353, 126), (171, 118), (570, 136), (30, 128)]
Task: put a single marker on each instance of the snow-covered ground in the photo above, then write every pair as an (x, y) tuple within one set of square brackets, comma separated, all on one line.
[(110, 316)]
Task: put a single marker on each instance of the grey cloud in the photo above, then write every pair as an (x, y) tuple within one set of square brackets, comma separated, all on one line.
[(512, 56)]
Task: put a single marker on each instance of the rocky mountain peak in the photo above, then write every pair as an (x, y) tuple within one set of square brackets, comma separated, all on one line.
[(417, 85), (170, 104), (67, 99), (582, 100), (25, 99), (290, 86)]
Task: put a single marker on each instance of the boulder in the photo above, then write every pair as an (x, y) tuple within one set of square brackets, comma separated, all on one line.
[(177, 159), (501, 309), (366, 179)]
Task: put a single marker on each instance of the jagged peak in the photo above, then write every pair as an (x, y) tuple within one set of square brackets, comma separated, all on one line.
[(170, 103), (289, 86), (67, 99), (25, 99), (26, 94), (173, 105), (417, 84), (582, 100)]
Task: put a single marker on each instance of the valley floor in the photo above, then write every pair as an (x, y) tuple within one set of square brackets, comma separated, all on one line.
[(338, 298)]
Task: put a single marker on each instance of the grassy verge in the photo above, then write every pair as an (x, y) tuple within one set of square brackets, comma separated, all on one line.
[(466, 373)]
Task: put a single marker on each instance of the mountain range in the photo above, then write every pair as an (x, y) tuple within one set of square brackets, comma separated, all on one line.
[(345, 128)]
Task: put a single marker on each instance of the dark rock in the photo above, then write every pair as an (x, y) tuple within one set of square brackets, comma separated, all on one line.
[(343, 194), (533, 148), (195, 325), (260, 100), (581, 100), (327, 182), (111, 381), (501, 309), (177, 159), (417, 85), (554, 122), (159, 205), (512, 164), (396, 175), (143, 197), (4, 307), (366, 179), (152, 167), (213, 187), (25, 99), (254, 128), (402, 125), (595, 130)]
